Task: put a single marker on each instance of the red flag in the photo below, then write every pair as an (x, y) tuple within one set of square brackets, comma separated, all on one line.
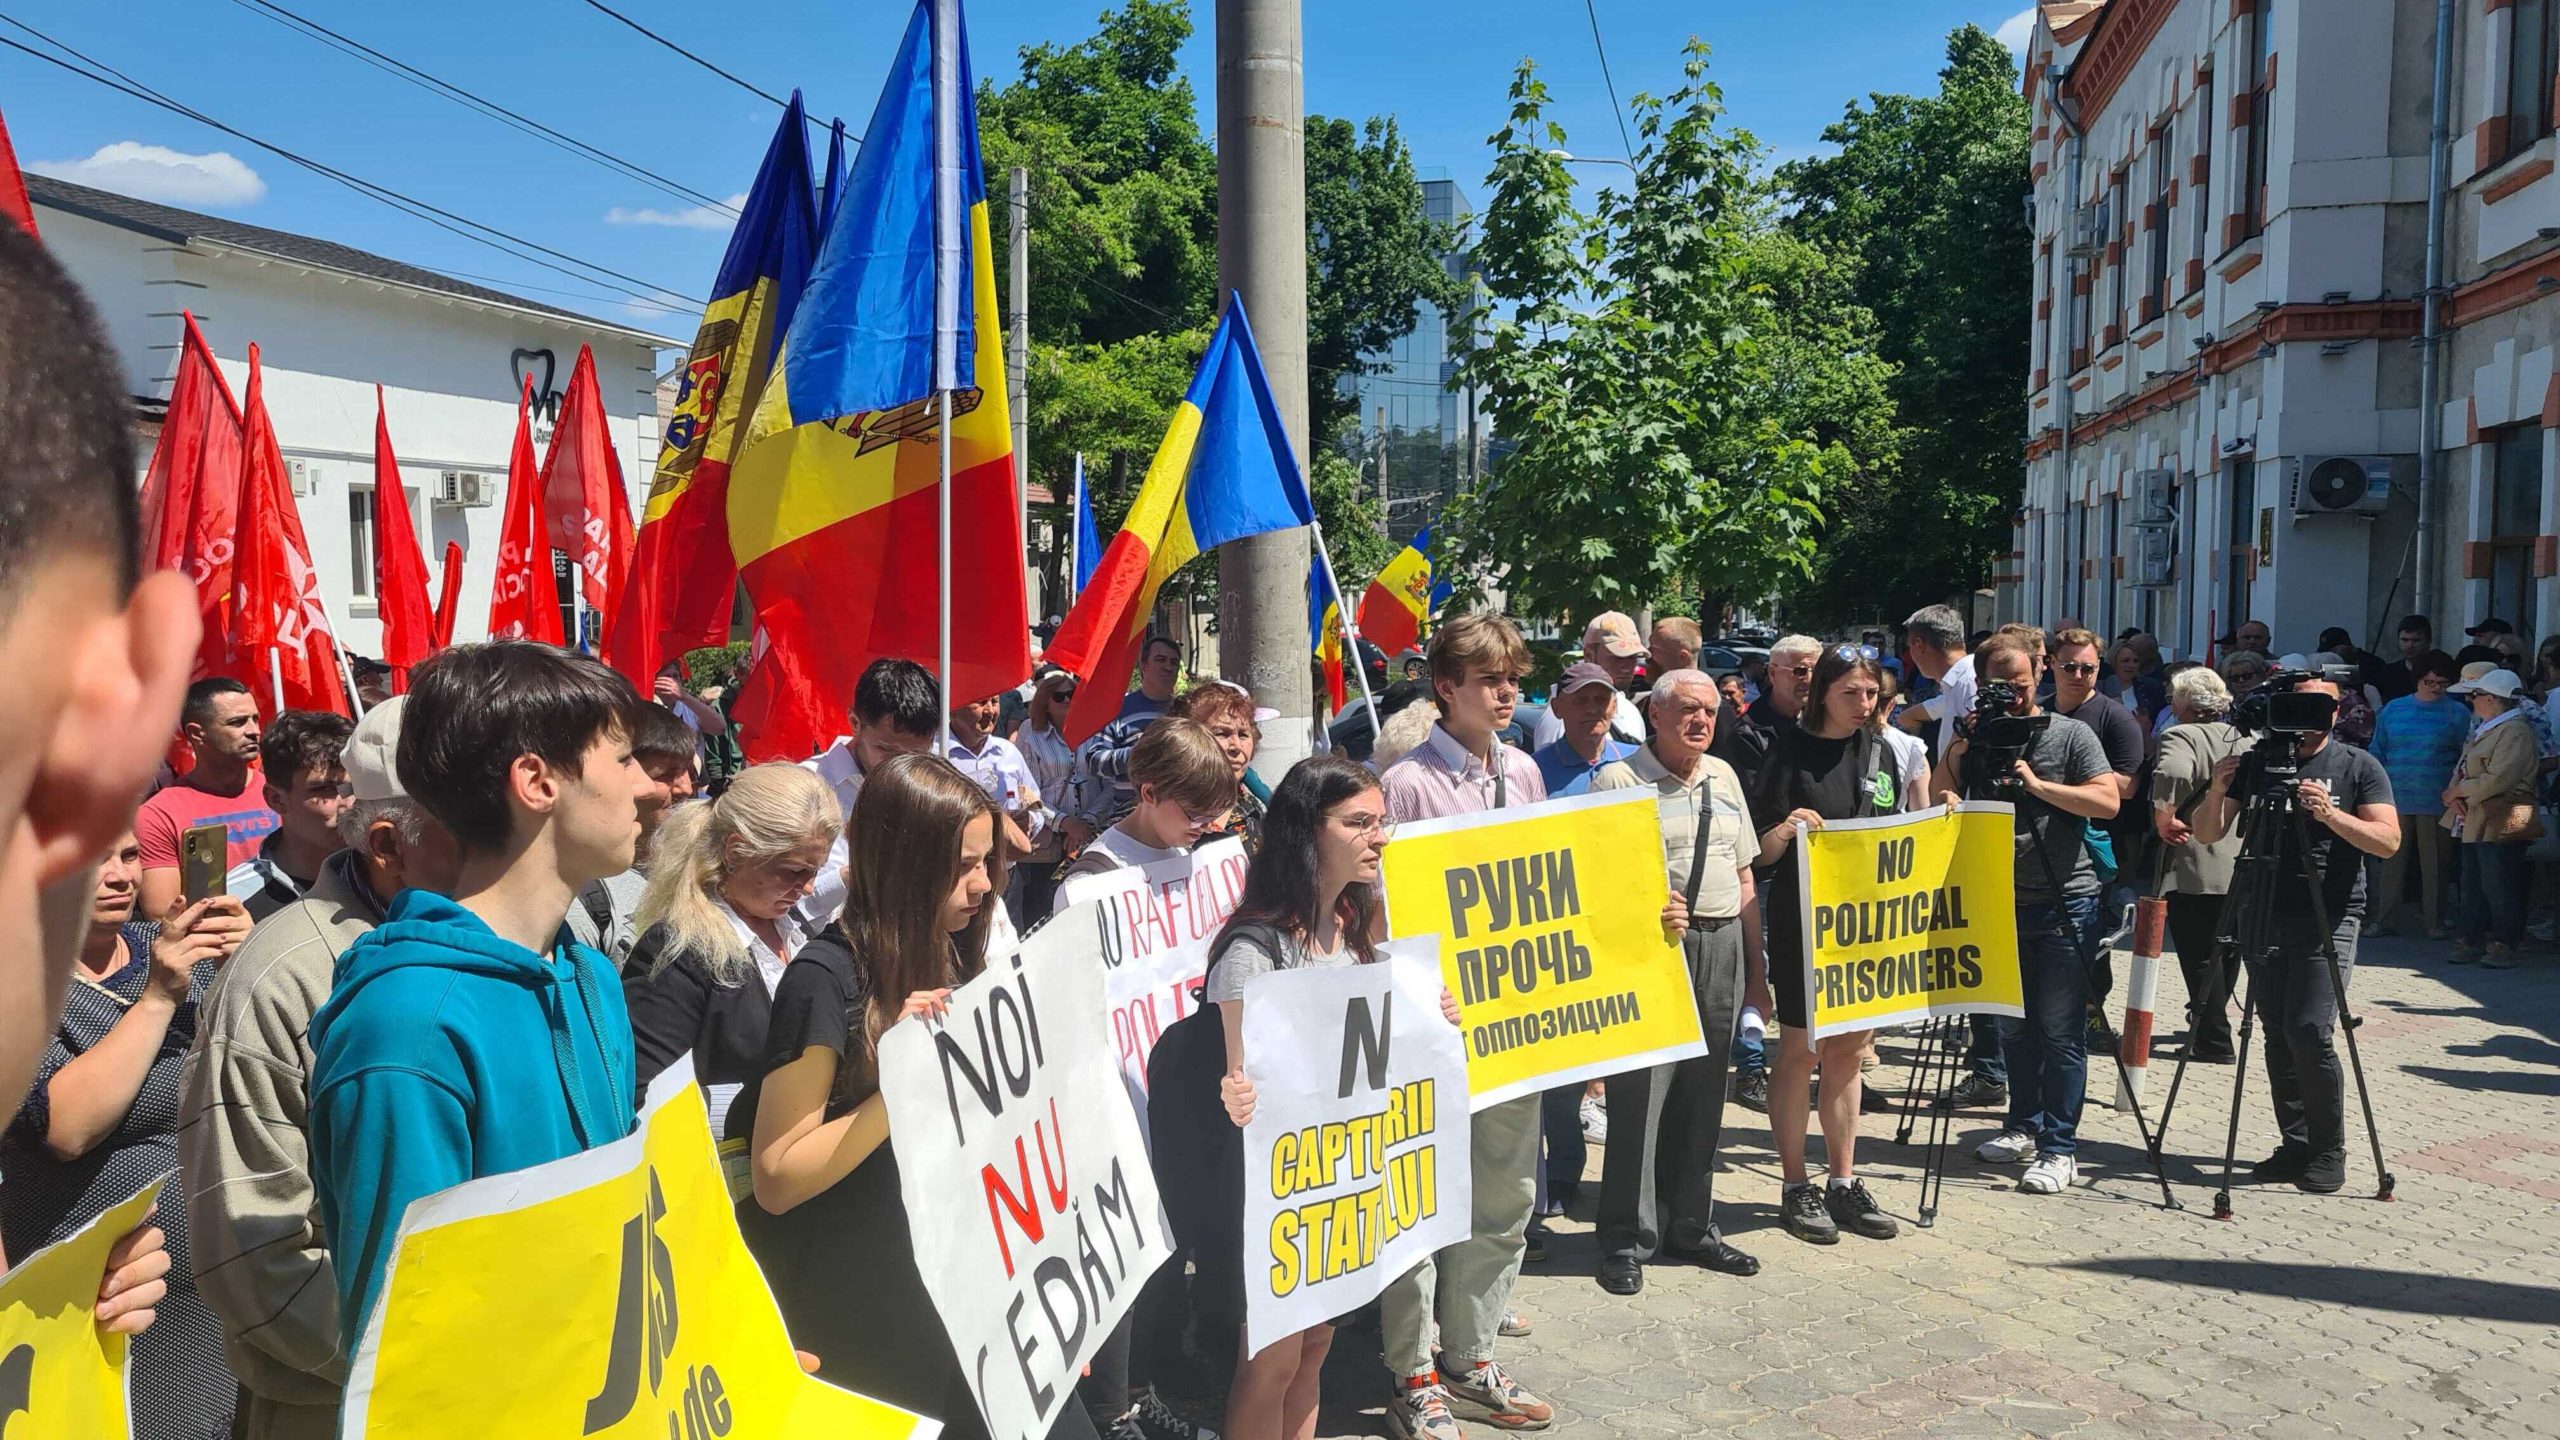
[(399, 570), (191, 494), (523, 605), (449, 594), (13, 187), (275, 591), (587, 510)]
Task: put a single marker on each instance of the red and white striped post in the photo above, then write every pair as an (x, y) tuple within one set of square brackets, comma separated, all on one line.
[(2133, 1047)]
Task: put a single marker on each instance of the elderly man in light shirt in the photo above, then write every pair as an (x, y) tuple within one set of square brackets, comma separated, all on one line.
[(1610, 641)]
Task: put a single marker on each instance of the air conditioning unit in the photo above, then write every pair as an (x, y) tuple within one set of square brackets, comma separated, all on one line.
[(2155, 563), (2090, 225), (466, 489), (2344, 484), (2154, 497), (303, 476)]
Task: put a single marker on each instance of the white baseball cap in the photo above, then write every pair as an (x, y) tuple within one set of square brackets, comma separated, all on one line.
[(2503, 683), (372, 754)]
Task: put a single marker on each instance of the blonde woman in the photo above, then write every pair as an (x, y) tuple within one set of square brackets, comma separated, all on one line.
[(714, 938)]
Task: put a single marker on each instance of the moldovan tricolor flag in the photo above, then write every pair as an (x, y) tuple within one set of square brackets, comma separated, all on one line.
[(275, 591), (399, 568), (1399, 600), (1224, 472), (684, 581), (1324, 622), (587, 511), (524, 604), (191, 494), (832, 508)]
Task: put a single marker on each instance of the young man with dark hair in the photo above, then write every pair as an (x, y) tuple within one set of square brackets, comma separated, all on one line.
[(1099, 791), (666, 748), (307, 789), (897, 710), (243, 1103), (2399, 677), (98, 658), (221, 725), (470, 1035)]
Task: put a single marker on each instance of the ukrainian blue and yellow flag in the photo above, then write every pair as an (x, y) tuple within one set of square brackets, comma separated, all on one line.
[(684, 581), (1324, 623), (1224, 472), (1399, 600), (832, 511)]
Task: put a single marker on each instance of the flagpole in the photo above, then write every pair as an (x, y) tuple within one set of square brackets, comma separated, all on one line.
[(1075, 535), (1350, 629), (346, 667), (275, 674), (950, 222), (942, 574)]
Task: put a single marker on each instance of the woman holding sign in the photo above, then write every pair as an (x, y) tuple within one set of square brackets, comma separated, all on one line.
[(1831, 766), (827, 1222), (1310, 899)]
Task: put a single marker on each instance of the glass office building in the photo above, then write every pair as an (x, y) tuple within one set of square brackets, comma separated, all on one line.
[(1410, 419)]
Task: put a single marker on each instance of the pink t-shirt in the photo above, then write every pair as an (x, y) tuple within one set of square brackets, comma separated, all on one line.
[(181, 807)]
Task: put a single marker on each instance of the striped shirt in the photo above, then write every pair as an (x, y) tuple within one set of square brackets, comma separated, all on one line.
[(2419, 742)]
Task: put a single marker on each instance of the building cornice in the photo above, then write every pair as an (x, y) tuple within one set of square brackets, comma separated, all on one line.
[(2124, 29)]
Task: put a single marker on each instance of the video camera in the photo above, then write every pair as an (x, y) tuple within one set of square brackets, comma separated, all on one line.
[(2278, 708), (1996, 740)]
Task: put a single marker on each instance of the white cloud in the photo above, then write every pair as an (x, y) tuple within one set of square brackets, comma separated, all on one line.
[(692, 217), (2015, 31), (155, 172)]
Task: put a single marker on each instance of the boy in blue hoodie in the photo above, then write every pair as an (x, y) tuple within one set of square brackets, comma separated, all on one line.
[(470, 1035)]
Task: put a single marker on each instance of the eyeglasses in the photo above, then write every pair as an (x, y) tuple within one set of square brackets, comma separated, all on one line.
[(1201, 822), (1364, 826), (2077, 667), (1798, 669)]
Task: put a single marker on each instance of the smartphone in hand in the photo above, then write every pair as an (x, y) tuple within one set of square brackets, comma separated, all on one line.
[(204, 862)]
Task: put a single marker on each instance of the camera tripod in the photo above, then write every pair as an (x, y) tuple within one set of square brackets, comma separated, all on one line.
[(1943, 1044), (2272, 818)]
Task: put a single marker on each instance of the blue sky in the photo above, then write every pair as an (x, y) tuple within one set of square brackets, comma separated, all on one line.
[(1440, 67)]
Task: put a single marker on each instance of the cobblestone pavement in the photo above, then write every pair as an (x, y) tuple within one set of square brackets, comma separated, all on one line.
[(2097, 1313)]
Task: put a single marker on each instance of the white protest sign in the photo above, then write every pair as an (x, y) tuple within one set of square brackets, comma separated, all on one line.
[(1356, 1159), (1158, 921), (1027, 1188)]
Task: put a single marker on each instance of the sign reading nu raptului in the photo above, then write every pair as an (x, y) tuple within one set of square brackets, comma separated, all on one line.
[(1549, 921), (1909, 916)]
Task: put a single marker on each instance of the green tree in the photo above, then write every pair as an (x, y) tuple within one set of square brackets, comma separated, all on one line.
[(1638, 360), (1922, 207)]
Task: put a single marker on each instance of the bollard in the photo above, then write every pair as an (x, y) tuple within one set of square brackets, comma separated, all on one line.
[(2133, 1049)]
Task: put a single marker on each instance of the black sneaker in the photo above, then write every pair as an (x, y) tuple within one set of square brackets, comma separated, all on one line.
[(1751, 1091), (1154, 1420), (2324, 1174), (1852, 1208), (2287, 1163), (1974, 1090), (1533, 1245), (1806, 1216)]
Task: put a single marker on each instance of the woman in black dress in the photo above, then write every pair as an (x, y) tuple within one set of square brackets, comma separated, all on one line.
[(101, 1121), (826, 1220), (715, 934), (1829, 766)]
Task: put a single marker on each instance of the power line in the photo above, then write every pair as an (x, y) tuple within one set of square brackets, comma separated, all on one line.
[(495, 111), (488, 235), (1616, 110), (747, 85)]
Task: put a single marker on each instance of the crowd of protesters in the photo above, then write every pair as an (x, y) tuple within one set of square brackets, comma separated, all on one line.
[(459, 936)]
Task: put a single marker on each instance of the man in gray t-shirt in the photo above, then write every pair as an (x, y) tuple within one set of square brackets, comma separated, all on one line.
[(2064, 782)]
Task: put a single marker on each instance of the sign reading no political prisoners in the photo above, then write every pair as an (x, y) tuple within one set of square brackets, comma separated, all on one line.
[(56, 1369), (1909, 916), (1549, 921), (1027, 1189), (605, 1294), (1356, 1160), (1157, 922)]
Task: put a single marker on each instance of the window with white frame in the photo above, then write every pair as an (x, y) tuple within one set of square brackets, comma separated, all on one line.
[(360, 541)]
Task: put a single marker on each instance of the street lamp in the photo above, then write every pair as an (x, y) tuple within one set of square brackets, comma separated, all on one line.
[(1570, 158)]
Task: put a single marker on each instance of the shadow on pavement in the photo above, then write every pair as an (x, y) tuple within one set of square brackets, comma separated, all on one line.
[(2404, 1291)]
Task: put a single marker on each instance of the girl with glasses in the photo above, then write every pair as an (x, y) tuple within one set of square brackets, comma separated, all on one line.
[(1186, 789)]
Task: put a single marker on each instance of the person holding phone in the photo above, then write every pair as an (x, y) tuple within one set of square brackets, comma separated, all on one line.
[(225, 788), (102, 1121)]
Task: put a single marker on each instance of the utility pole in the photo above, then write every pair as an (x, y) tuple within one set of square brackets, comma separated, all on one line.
[(1262, 256), (1017, 369), (1386, 508)]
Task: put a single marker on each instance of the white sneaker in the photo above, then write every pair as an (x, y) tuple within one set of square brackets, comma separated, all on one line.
[(1595, 1120), (2009, 1147), (2050, 1175)]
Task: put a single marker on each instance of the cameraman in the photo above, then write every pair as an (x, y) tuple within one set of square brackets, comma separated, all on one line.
[(2346, 795), (2059, 780)]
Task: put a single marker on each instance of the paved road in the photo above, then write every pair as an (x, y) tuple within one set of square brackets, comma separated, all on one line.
[(2097, 1313)]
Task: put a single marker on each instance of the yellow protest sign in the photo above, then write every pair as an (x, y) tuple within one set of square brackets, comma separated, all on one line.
[(58, 1375), (1549, 922), (1909, 916), (606, 1294)]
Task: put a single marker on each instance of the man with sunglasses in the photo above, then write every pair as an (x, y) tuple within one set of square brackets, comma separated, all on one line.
[(2075, 663)]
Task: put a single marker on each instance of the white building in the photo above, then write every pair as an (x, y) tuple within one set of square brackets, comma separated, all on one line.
[(2230, 415), (330, 323)]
